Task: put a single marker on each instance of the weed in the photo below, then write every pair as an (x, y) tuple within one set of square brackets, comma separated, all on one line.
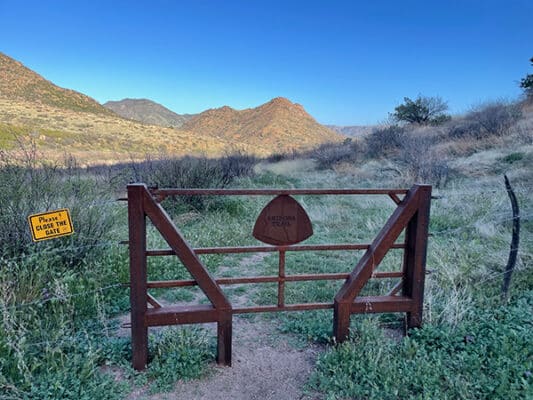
[(513, 157), (488, 356), (30, 185), (177, 354)]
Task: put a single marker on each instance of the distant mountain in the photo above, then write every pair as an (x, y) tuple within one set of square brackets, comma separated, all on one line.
[(63, 121), (353, 131), (278, 125), (18, 82), (147, 111)]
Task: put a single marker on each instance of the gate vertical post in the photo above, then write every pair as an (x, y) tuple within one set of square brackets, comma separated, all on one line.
[(341, 321), (224, 334), (138, 277), (415, 256)]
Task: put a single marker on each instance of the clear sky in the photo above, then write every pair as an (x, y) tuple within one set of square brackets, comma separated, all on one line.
[(346, 62)]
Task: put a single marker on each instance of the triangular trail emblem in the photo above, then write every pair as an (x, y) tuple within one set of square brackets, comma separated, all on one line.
[(282, 222)]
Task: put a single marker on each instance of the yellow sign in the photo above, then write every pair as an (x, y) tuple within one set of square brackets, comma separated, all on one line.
[(50, 224)]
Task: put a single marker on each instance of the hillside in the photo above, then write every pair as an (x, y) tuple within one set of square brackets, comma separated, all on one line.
[(147, 111), (279, 124), (18, 82), (63, 121)]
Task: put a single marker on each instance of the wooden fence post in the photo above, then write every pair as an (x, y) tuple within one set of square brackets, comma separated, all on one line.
[(224, 334), (415, 256), (341, 320), (138, 277)]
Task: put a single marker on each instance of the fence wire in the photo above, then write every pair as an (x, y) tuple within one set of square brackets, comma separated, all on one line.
[(64, 297)]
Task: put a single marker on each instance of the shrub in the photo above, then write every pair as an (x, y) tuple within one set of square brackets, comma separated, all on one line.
[(423, 164), (384, 141), (513, 157), (330, 154), (277, 157), (192, 172), (423, 110), (526, 83), (489, 119)]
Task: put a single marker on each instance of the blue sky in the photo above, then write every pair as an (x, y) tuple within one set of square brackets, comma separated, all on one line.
[(346, 62)]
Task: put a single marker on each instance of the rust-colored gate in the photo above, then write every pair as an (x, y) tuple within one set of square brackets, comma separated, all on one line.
[(411, 215)]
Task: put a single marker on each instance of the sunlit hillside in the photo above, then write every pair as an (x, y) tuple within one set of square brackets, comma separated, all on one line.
[(62, 121)]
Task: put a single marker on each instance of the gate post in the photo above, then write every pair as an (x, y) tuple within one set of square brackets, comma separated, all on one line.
[(341, 320), (224, 333), (415, 256), (138, 277)]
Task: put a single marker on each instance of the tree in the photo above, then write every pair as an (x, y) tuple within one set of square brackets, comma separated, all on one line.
[(527, 83), (423, 110)]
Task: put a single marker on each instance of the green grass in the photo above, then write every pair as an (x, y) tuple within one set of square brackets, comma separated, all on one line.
[(487, 356)]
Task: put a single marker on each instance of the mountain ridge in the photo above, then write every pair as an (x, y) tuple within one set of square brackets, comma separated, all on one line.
[(147, 111), (63, 121), (279, 122), (21, 83), (353, 130)]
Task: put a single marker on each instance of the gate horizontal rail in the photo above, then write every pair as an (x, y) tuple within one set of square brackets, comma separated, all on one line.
[(268, 279), (267, 249), (264, 192)]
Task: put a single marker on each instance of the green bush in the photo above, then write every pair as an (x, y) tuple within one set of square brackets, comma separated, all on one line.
[(513, 157), (423, 110), (178, 354)]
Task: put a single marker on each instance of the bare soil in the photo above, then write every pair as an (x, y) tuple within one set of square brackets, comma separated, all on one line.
[(265, 366)]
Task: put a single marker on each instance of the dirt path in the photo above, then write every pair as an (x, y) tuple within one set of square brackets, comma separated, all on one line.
[(265, 367)]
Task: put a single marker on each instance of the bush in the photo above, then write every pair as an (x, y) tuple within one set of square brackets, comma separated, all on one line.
[(423, 110), (277, 157), (423, 164), (385, 141), (526, 83), (330, 154), (192, 173), (489, 119)]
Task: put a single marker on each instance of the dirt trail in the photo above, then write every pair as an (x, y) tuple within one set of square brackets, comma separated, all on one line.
[(265, 367)]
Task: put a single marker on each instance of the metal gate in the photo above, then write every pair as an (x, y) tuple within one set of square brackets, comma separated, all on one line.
[(282, 215)]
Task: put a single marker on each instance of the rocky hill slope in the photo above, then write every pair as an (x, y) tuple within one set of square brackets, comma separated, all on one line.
[(18, 82), (147, 111), (278, 124), (63, 121)]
